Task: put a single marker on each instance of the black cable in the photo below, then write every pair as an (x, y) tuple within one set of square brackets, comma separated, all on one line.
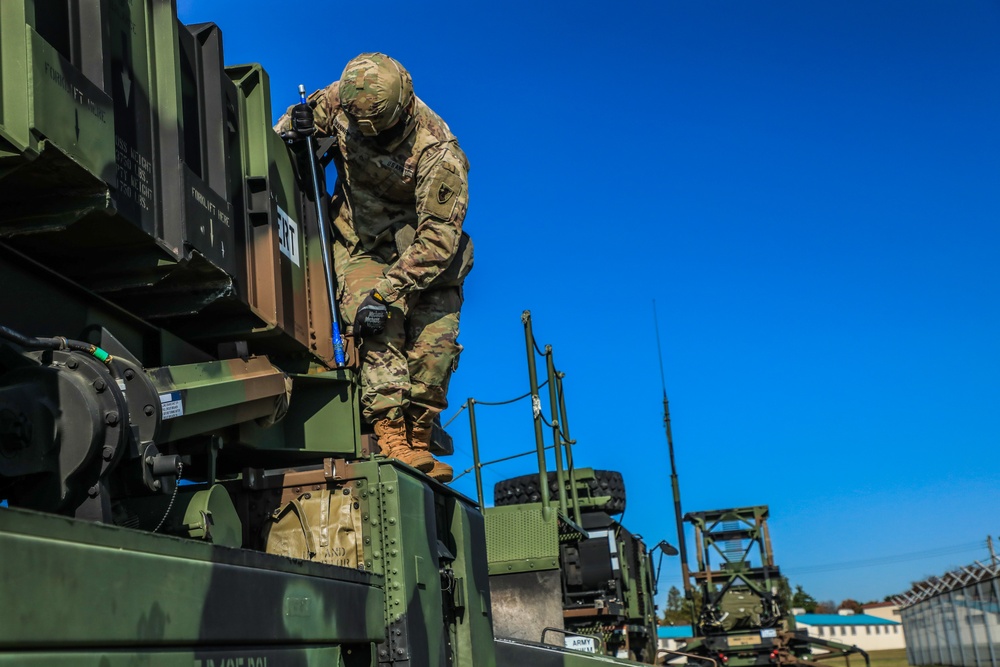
[(513, 400), (482, 465), (56, 343), (466, 404)]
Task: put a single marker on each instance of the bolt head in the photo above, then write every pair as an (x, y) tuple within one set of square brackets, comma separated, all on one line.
[(129, 374), (72, 364), (99, 385), (156, 484), (148, 410), (108, 452), (111, 418)]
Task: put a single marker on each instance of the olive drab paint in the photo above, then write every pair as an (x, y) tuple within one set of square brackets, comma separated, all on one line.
[(557, 559), (743, 616), (184, 474)]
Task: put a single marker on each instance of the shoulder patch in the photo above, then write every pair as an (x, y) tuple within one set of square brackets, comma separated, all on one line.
[(444, 193)]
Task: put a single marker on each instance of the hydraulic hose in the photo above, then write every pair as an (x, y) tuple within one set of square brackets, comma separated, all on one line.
[(56, 343)]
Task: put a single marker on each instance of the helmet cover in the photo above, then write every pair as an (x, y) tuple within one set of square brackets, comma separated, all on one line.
[(374, 91)]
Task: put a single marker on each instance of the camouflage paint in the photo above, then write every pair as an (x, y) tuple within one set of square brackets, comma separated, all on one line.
[(166, 245), (110, 587)]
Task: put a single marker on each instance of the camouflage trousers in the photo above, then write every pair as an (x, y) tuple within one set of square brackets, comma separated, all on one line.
[(406, 369)]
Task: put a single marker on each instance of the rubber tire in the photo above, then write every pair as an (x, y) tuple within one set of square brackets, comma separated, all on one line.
[(524, 489)]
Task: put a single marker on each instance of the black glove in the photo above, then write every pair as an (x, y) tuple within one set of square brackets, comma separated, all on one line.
[(372, 315), (303, 121)]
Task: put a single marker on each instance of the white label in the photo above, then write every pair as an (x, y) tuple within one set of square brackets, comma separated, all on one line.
[(768, 633), (288, 237), (171, 405), (588, 644)]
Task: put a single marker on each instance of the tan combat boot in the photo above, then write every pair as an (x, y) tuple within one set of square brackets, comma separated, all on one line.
[(421, 439), (394, 444)]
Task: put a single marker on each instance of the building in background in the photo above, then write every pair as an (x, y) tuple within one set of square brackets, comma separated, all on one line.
[(673, 638), (954, 619), (887, 610), (867, 632)]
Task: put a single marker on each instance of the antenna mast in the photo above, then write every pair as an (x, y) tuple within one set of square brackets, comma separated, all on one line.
[(674, 484)]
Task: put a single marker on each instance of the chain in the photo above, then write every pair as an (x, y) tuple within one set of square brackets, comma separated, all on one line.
[(173, 496)]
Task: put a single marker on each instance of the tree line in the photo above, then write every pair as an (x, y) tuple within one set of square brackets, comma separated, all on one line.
[(678, 610)]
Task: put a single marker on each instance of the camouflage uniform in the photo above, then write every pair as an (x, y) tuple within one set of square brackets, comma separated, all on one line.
[(397, 212)]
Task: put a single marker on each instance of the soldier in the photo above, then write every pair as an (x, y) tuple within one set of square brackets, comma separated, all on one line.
[(399, 250)]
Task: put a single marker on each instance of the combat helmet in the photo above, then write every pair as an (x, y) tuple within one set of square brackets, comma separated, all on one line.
[(375, 90)]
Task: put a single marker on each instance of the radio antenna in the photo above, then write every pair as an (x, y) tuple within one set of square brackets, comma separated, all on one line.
[(674, 484)]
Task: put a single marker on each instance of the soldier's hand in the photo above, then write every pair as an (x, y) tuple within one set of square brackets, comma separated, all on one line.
[(303, 121), (372, 315)]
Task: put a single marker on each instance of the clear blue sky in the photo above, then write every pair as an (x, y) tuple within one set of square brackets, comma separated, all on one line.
[(809, 191)]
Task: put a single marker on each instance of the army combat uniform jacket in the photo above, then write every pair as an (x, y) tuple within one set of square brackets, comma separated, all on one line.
[(398, 209), (404, 201)]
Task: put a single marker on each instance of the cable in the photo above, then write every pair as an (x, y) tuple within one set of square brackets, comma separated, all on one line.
[(56, 343), (466, 404), (482, 465), (886, 560), (513, 400)]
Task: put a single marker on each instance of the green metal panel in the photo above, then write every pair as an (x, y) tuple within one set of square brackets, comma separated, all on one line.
[(414, 616), (13, 75), (520, 538), (472, 640), (105, 586), (215, 394), (138, 197), (322, 417), (188, 657), (70, 111)]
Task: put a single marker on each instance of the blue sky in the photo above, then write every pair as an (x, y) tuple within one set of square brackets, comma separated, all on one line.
[(809, 192)]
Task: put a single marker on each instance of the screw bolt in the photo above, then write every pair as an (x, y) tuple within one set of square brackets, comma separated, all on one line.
[(129, 374), (156, 484), (111, 418), (99, 385), (148, 410), (108, 452), (72, 364), (93, 491)]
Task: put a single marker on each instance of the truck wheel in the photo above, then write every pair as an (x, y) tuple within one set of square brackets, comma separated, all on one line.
[(524, 489)]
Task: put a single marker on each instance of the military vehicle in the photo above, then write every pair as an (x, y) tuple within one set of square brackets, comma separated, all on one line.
[(558, 559), (601, 574), (184, 476), (739, 616), (743, 619)]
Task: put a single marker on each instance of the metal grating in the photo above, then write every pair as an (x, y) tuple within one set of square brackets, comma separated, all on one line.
[(520, 532)]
